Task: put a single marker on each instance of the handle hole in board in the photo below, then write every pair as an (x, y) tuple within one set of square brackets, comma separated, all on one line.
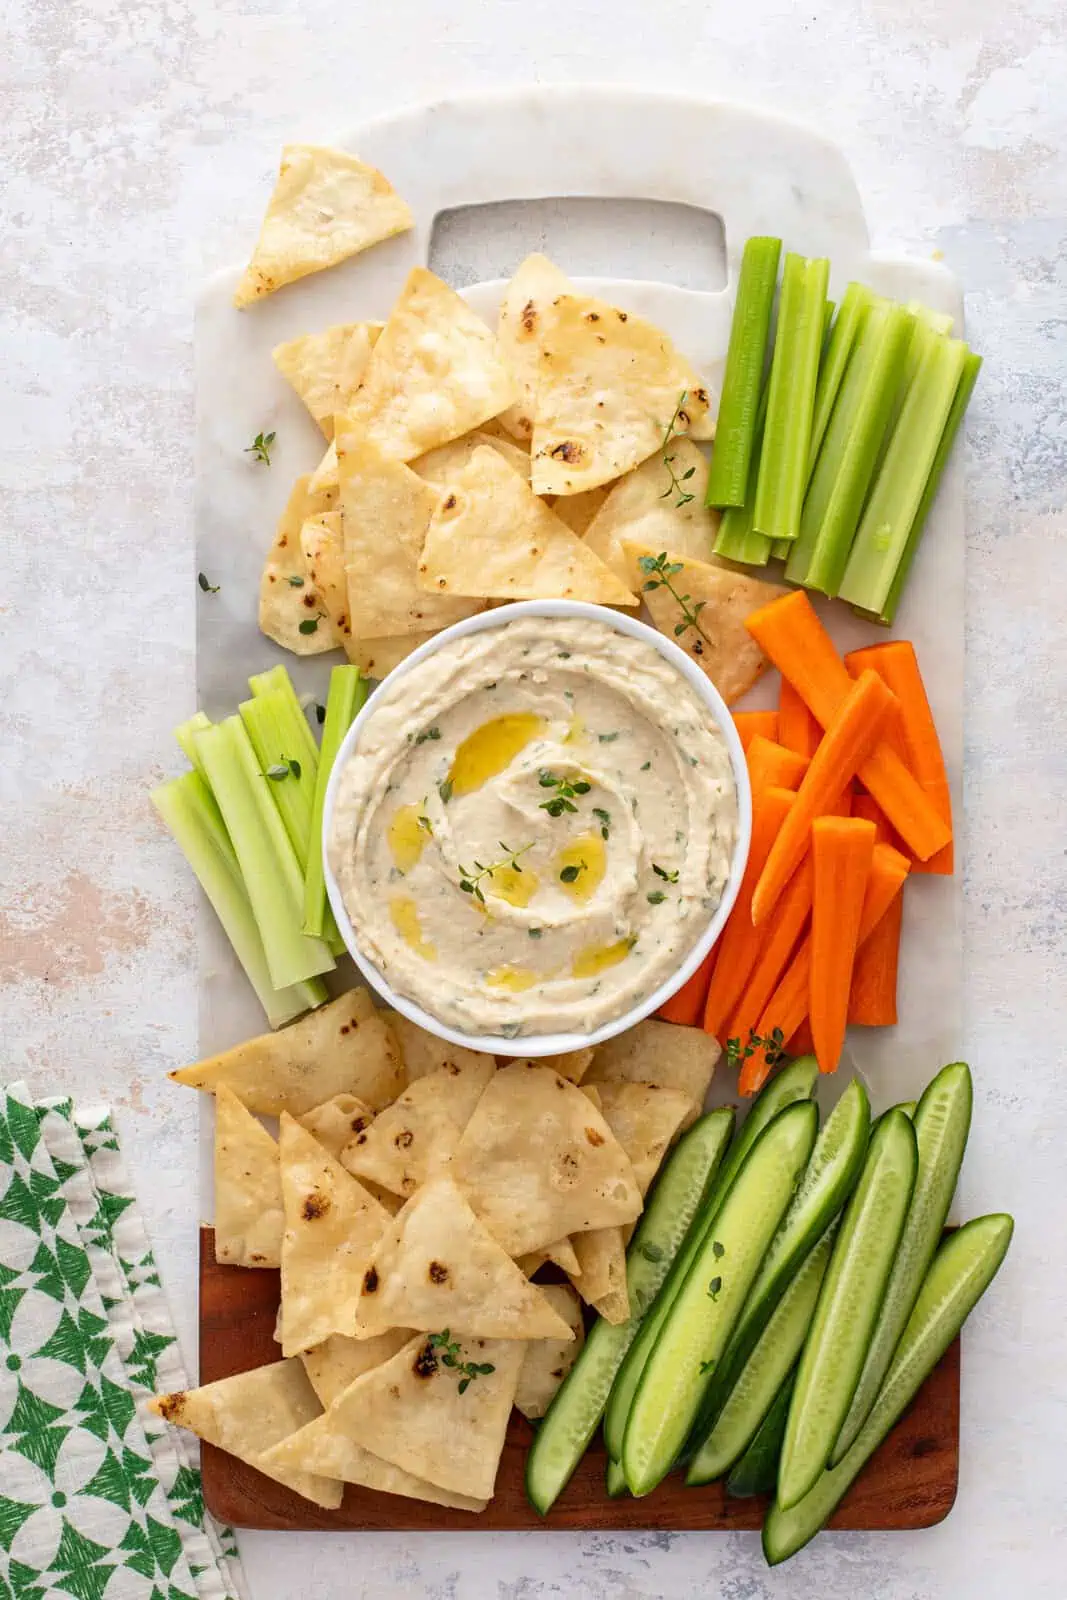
[(586, 236)]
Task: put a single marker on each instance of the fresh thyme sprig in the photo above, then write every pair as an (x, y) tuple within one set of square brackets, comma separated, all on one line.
[(676, 485), (566, 789), (773, 1046), (281, 769), (661, 872), (471, 878), (206, 584), (450, 1357), (260, 447), (658, 573), (572, 873)]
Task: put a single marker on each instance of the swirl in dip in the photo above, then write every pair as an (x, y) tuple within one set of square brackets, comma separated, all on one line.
[(534, 827)]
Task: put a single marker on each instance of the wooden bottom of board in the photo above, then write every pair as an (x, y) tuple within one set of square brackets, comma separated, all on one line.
[(909, 1483)]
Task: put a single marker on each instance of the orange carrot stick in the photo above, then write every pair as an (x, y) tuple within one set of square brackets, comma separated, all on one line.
[(750, 723), (791, 635), (841, 852), (797, 728), (782, 932), (740, 942), (870, 811), (686, 1005), (872, 999), (801, 1043), (772, 766), (846, 744)]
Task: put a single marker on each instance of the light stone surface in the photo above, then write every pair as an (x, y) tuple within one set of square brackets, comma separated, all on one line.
[(138, 143)]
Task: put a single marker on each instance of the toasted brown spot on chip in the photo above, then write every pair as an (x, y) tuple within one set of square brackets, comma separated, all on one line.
[(529, 316), (358, 1125), (622, 316), (567, 450), (171, 1406), (370, 1280), (450, 502), (404, 1139), (315, 1205), (425, 1363), (594, 1136), (438, 1272)]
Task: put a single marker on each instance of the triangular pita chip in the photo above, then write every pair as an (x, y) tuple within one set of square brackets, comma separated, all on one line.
[(602, 1281), (609, 385), (416, 1136), (441, 466), (424, 1052), (571, 1064), (324, 478), (327, 368), (345, 1047), (410, 1411), (249, 1221), (525, 305), (338, 1361), (560, 1253), (578, 511), (548, 1361), (326, 1446), (287, 595), (646, 508), (376, 658), (661, 1053), (719, 642), (646, 1118), (324, 562), (250, 1412), (436, 1266), (537, 1161), (435, 374), (491, 536), (385, 512), (326, 206), (331, 1227), (336, 1121)]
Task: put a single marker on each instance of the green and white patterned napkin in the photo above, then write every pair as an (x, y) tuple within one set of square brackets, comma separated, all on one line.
[(98, 1500)]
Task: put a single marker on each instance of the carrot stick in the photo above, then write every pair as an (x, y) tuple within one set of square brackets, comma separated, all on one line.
[(870, 811), (791, 635), (782, 932), (848, 741), (797, 728), (686, 1005), (750, 723), (740, 942), (872, 999), (897, 665), (801, 1043), (772, 766), (841, 852)]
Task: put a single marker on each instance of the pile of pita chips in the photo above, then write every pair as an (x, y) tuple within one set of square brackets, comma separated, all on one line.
[(249, 1220), (326, 206)]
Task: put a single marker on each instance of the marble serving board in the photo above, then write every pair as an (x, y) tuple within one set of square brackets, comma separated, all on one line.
[(756, 174)]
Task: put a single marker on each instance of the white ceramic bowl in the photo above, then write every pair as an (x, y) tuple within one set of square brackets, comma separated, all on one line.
[(551, 1044)]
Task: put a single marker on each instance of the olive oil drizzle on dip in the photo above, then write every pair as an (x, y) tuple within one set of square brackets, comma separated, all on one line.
[(534, 827)]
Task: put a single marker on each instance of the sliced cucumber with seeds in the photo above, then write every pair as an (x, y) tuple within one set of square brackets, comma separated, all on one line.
[(578, 1404), (757, 1470), (960, 1273), (701, 1320), (829, 1179), (795, 1082), (615, 1480), (849, 1303), (765, 1371), (942, 1123)]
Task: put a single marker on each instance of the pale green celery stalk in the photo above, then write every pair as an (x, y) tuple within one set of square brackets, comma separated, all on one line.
[(735, 429), (191, 815), (736, 539), (781, 549), (783, 470), (929, 326), (274, 728), (900, 486), (855, 303), (964, 389), (277, 680), (264, 852), (348, 690), (852, 479), (939, 321), (184, 735)]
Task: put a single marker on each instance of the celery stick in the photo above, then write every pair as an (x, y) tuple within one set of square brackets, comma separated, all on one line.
[(971, 368), (735, 429), (272, 727), (781, 549), (191, 815), (736, 539), (783, 467), (852, 473), (267, 859), (184, 735), (854, 305), (348, 690), (901, 482), (277, 680)]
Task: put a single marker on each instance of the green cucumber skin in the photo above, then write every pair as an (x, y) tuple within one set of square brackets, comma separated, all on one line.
[(849, 1303), (699, 1325), (795, 1082), (766, 1369), (577, 1406), (962, 1270), (757, 1470), (942, 1123), (614, 1480), (829, 1179)]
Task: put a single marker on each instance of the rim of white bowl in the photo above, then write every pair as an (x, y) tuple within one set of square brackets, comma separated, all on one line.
[(549, 1044)]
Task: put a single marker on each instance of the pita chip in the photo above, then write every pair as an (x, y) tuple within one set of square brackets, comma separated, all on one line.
[(646, 1118), (608, 386), (537, 1161), (411, 1410), (646, 508), (492, 537), (324, 477), (331, 1227), (345, 1047), (436, 372), (376, 658), (436, 1266), (416, 1136), (287, 594), (548, 1361), (602, 1280), (560, 1253), (386, 510), (424, 1052), (440, 466), (571, 1064), (660, 1053), (249, 1220), (338, 1361), (248, 1414), (336, 1121), (524, 309), (324, 563), (579, 510), (326, 368), (326, 206)]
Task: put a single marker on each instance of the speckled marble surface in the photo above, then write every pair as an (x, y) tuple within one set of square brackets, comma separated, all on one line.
[(138, 141)]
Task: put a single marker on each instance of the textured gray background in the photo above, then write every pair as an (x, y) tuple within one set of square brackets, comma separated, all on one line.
[(138, 139)]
